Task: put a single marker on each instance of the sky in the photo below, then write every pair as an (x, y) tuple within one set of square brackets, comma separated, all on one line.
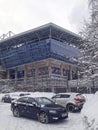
[(22, 15)]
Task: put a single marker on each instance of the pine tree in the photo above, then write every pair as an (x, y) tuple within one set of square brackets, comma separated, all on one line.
[(89, 57)]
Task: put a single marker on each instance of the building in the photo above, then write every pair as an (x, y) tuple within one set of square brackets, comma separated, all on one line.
[(43, 59)]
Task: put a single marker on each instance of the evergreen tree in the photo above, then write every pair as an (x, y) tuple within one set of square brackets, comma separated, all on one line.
[(89, 58)]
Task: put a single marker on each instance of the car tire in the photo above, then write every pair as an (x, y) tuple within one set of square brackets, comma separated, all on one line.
[(70, 108), (16, 112), (43, 118)]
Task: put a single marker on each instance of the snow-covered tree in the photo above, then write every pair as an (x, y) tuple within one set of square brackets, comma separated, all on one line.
[(89, 58)]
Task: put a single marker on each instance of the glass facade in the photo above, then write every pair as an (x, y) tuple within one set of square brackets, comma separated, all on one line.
[(35, 51)]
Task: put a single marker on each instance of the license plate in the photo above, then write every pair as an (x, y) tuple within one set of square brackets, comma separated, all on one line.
[(64, 114)]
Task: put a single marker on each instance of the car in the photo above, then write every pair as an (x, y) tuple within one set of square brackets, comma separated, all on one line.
[(72, 101), (6, 98), (39, 108), (13, 96)]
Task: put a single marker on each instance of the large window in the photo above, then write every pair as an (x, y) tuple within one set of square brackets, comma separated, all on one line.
[(12, 73), (20, 74)]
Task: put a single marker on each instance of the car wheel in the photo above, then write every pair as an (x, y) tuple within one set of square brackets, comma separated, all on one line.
[(16, 112), (70, 108), (43, 118)]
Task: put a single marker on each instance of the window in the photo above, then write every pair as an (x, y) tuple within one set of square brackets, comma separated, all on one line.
[(30, 100), (7, 95), (66, 73), (74, 74), (55, 70), (12, 73), (23, 100), (20, 74), (43, 70), (65, 96), (57, 96), (43, 100)]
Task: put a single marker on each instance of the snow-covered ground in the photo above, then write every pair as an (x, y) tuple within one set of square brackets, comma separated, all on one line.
[(8, 122), (90, 112)]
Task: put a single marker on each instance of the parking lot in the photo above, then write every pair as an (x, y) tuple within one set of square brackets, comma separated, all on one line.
[(8, 122)]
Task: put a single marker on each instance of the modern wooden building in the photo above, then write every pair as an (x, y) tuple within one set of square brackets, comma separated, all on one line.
[(43, 59)]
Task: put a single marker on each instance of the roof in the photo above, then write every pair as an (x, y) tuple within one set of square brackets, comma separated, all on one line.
[(45, 31)]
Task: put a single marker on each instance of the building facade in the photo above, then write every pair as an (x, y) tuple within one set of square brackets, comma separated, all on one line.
[(42, 59)]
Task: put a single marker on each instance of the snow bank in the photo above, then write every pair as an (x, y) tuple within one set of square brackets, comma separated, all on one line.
[(43, 94), (90, 113)]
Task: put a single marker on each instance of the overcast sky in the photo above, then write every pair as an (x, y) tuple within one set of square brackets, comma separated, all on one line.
[(22, 15)]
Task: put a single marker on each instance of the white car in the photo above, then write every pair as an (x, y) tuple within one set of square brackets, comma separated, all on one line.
[(72, 101)]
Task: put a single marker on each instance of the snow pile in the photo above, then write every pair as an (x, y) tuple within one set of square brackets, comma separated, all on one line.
[(90, 113), (43, 94)]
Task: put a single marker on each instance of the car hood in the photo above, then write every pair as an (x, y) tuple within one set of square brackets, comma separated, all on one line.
[(53, 106)]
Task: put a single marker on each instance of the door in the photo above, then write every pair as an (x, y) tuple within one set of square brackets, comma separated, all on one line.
[(32, 108), (57, 99), (22, 105), (61, 99), (64, 99)]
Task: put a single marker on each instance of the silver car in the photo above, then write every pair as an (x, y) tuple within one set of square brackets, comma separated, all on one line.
[(72, 101)]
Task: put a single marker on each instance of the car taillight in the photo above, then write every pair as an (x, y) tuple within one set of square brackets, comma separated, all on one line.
[(77, 99)]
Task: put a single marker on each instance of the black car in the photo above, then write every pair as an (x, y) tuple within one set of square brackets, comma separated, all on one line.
[(40, 108), (6, 98)]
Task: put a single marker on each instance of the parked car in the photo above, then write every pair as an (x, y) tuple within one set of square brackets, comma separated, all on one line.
[(40, 108), (72, 101), (6, 98), (12, 96)]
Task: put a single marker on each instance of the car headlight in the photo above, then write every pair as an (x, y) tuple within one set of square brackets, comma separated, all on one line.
[(52, 111)]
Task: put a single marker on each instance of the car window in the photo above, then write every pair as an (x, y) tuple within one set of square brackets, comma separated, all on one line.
[(7, 95), (22, 94), (57, 96), (79, 95), (23, 100), (43, 100), (30, 100), (65, 96)]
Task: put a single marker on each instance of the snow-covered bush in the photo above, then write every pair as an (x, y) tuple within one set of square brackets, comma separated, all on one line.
[(90, 113)]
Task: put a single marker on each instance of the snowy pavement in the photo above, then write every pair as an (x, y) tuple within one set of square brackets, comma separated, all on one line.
[(8, 122)]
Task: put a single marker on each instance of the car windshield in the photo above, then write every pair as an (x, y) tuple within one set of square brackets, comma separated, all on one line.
[(43, 100)]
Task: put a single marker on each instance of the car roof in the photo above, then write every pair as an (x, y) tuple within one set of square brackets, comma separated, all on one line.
[(33, 96), (69, 93), (17, 93)]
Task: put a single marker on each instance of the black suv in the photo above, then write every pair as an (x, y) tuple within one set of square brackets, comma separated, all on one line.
[(40, 108)]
